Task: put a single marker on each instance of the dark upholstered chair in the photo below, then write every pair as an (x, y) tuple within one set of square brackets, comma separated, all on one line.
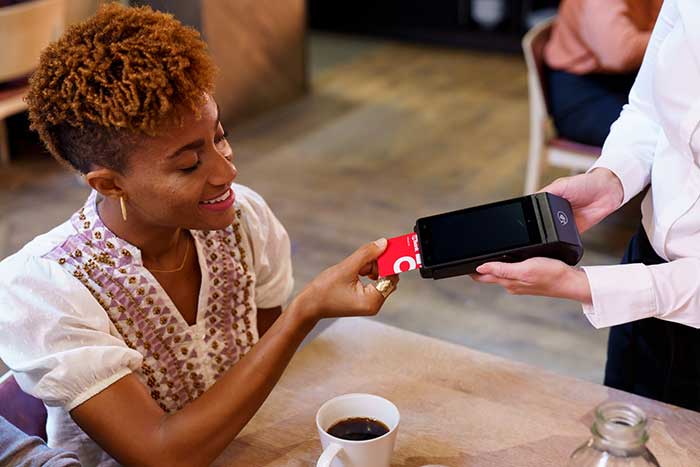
[(22, 410)]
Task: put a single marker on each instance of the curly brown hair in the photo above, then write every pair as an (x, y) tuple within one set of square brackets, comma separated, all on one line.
[(114, 79)]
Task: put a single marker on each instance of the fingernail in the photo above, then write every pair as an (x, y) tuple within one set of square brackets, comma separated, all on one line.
[(481, 269), (381, 242)]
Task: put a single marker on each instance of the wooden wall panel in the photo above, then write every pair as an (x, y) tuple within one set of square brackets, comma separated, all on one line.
[(260, 48)]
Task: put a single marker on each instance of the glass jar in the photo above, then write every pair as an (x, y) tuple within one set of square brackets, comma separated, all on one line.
[(619, 438)]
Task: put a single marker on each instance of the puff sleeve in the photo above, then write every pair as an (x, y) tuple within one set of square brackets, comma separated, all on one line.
[(55, 337)]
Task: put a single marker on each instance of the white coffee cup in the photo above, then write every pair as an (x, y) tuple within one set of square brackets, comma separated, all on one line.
[(344, 453)]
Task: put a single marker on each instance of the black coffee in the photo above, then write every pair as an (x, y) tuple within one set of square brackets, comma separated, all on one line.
[(358, 429)]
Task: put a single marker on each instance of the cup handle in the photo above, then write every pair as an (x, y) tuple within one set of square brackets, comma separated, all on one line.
[(328, 455)]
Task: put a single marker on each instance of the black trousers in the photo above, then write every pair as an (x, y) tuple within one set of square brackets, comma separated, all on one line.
[(651, 357), (584, 106)]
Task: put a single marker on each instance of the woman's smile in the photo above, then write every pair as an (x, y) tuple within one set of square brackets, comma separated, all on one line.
[(219, 203)]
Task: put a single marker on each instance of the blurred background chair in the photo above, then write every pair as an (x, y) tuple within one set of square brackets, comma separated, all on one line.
[(25, 29), (19, 408), (545, 147)]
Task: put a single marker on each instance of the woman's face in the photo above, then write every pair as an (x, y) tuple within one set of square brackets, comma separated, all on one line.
[(183, 177)]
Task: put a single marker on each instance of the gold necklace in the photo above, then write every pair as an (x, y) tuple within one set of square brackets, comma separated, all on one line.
[(182, 265)]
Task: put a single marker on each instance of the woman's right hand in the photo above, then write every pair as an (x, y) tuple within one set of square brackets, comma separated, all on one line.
[(338, 291), (593, 196)]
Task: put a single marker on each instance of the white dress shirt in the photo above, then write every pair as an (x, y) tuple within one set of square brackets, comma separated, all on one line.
[(655, 142)]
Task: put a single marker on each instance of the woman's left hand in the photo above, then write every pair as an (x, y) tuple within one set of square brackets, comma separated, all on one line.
[(537, 276)]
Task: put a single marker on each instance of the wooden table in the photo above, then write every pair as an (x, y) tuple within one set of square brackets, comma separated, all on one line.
[(458, 407)]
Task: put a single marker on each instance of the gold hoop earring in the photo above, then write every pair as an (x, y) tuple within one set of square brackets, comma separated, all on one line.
[(123, 206)]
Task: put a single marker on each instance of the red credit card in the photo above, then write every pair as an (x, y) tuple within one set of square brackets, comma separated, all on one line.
[(401, 255)]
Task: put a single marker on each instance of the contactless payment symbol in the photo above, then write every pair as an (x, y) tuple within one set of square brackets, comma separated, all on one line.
[(563, 218), (401, 255)]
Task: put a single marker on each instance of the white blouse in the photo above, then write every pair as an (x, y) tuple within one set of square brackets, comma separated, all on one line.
[(655, 142), (79, 311)]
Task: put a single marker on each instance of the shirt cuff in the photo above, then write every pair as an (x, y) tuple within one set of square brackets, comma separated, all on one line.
[(97, 388), (620, 293), (633, 174)]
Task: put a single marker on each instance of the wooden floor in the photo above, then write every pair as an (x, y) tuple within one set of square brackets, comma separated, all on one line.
[(390, 132)]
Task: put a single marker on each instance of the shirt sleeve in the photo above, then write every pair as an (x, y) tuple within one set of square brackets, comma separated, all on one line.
[(629, 148), (629, 292), (17, 448), (271, 247), (54, 335), (607, 29)]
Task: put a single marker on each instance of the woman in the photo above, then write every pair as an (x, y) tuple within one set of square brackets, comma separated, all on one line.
[(593, 55), (131, 319), (652, 301)]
